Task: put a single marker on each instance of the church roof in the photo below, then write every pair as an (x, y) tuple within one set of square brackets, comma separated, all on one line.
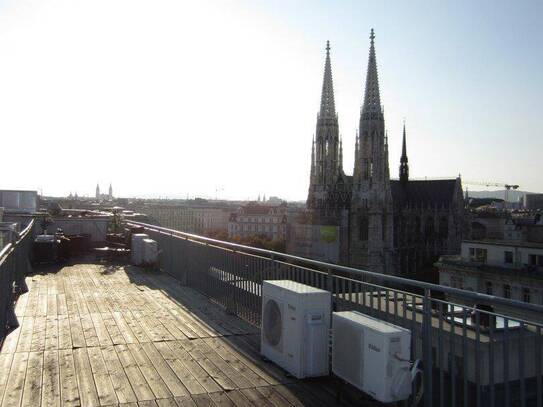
[(423, 193)]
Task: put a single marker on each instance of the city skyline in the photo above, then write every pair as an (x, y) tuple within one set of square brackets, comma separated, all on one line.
[(218, 110)]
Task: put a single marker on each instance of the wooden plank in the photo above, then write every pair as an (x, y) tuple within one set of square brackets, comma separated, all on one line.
[(87, 389), (273, 396), (150, 327), (32, 303), (68, 380), (52, 305), (101, 331), (104, 387), (33, 381), (51, 333), (239, 399), (25, 337), (20, 305), (5, 367), (120, 381), (91, 338), (221, 399), (64, 334), (203, 400), (188, 380), (51, 379), (62, 305), (139, 385), (227, 369), (185, 401), (295, 395), (257, 398), (123, 327), (112, 329), (175, 386), (76, 331), (194, 368), (12, 338), (15, 384), (135, 327), (158, 387), (232, 360), (166, 403), (41, 310), (38, 335)]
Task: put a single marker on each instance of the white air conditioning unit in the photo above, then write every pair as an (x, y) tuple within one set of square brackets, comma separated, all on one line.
[(150, 252), (295, 324), (136, 248), (372, 355)]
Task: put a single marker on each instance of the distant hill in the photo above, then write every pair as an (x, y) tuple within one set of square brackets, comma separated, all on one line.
[(513, 196)]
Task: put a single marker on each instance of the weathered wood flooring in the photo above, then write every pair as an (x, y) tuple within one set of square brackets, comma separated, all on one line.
[(95, 335)]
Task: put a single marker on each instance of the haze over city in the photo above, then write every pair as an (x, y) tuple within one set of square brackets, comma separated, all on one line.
[(215, 98)]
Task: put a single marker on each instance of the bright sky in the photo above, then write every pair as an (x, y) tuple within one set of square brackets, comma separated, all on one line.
[(168, 97)]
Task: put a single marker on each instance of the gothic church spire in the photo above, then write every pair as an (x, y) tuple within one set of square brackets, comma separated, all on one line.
[(372, 99), (404, 166), (328, 107)]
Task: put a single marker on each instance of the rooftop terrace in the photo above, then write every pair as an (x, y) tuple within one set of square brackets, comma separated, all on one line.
[(104, 335), (108, 334)]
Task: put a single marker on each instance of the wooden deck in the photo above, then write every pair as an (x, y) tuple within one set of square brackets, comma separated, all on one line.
[(97, 335)]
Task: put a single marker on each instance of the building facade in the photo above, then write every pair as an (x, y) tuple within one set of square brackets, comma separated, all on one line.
[(504, 268), (256, 219), (387, 226), (533, 202)]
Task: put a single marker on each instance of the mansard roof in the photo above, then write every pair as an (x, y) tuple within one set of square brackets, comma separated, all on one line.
[(423, 193)]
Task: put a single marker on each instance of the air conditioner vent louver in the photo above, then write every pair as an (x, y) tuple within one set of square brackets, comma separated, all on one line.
[(272, 323)]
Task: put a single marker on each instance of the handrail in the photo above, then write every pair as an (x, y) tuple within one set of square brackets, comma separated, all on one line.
[(469, 295), (7, 248)]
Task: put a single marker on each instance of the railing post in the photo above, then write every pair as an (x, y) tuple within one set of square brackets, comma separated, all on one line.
[(427, 347), (171, 271)]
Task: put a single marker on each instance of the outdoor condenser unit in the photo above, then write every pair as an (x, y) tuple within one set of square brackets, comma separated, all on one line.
[(136, 247), (372, 355), (295, 324)]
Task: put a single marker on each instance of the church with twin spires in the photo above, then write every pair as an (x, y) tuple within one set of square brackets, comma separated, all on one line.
[(392, 226)]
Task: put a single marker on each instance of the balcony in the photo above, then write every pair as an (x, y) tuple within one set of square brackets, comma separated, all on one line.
[(106, 333)]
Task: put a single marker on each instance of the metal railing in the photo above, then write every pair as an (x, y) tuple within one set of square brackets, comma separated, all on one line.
[(472, 353), (14, 265)]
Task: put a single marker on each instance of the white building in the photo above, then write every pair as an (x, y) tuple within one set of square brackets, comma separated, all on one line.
[(505, 268), (255, 219)]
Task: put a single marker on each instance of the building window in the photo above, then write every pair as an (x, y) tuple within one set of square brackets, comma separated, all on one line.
[(508, 257), (364, 226), (526, 294), (477, 254), (536, 260), (488, 287), (507, 291), (457, 282)]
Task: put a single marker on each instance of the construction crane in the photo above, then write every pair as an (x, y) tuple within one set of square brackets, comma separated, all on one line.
[(507, 187)]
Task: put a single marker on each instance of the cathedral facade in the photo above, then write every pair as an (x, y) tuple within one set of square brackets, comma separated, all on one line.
[(385, 225)]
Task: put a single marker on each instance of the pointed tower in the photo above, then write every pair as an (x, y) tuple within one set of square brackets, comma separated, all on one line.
[(371, 204), (370, 163), (326, 165), (97, 191), (110, 191), (404, 166)]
